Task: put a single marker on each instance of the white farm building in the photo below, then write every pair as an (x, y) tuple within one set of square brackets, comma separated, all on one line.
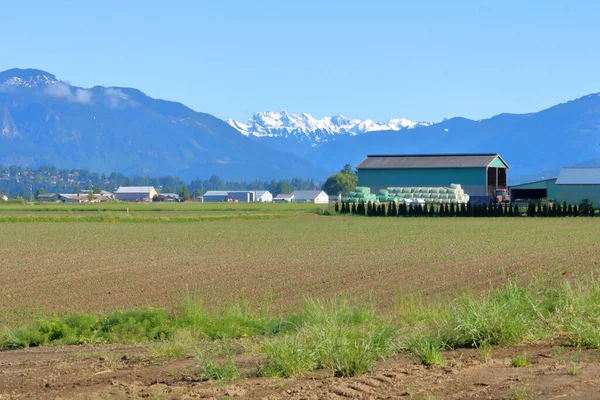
[(263, 196), (310, 196), (136, 193)]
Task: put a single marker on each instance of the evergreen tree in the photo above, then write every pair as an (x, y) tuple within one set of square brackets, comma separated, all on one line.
[(575, 211), (391, 210), (592, 210), (501, 210), (510, 212), (545, 210), (570, 211), (411, 211), (420, 210), (431, 210), (531, 209), (337, 207), (354, 208), (565, 209)]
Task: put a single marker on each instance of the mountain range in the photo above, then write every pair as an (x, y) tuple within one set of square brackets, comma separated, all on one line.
[(307, 130), (535, 145), (44, 120), (47, 121)]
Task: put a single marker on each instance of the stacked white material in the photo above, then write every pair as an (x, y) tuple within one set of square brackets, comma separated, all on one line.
[(444, 195)]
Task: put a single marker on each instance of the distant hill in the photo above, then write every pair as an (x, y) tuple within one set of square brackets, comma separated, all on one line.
[(563, 135), (46, 121)]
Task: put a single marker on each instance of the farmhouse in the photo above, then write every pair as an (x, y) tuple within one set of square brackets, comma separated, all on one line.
[(310, 196), (136, 193), (283, 198), (263, 196), (577, 184), (480, 175)]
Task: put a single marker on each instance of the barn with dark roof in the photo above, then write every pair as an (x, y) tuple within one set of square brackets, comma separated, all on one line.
[(480, 175)]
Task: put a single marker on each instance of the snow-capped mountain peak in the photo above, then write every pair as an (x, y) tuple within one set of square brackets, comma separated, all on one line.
[(28, 78), (305, 127)]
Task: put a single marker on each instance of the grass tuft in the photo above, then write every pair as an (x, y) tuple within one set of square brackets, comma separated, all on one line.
[(428, 351), (519, 361), (211, 371)]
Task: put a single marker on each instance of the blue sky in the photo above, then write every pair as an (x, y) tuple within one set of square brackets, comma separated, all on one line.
[(422, 60)]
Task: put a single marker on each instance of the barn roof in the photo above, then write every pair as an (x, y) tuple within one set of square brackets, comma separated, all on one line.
[(216, 193), (135, 189), (401, 161), (306, 194), (579, 176)]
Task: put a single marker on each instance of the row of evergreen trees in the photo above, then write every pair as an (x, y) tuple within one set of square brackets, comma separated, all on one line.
[(585, 209), (462, 210)]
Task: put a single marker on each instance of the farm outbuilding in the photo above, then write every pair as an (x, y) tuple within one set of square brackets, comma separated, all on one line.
[(263, 196), (283, 198), (542, 189), (310, 196), (215, 196), (577, 184), (480, 175), (136, 193), (242, 196)]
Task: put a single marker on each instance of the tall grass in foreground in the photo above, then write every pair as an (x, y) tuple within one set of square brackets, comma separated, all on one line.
[(334, 334), (344, 337)]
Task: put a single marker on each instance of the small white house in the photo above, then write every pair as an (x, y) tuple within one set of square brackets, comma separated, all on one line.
[(263, 196), (310, 196)]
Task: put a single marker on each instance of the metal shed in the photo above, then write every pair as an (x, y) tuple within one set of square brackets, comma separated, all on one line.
[(479, 174), (577, 184), (545, 188)]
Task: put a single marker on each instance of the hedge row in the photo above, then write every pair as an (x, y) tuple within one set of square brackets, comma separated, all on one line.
[(370, 209)]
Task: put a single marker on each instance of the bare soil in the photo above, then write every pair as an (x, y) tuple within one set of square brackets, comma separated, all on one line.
[(125, 372)]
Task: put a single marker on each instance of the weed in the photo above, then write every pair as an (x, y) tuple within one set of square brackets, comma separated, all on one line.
[(485, 351), (504, 316), (519, 361), (574, 369), (520, 393), (209, 370), (180, 345), (287, 356), (428, 351)]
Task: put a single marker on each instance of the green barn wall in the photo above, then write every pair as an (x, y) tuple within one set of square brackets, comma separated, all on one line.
[(473, 180), (552, 190), (574, 194)]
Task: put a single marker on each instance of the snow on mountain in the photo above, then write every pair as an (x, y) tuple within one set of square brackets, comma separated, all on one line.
[(303, 127), (29, 78)]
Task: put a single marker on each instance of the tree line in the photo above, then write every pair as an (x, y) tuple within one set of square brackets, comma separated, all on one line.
[(17, 181), (369, 209)]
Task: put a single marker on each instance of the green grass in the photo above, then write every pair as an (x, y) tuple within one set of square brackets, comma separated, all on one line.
[(519, 361), (334, 334), (574, 369), (520, 393), (338, 334), (428, 351), (209, 370)]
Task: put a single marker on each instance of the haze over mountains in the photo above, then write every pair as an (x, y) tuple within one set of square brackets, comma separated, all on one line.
[(46, 121)]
